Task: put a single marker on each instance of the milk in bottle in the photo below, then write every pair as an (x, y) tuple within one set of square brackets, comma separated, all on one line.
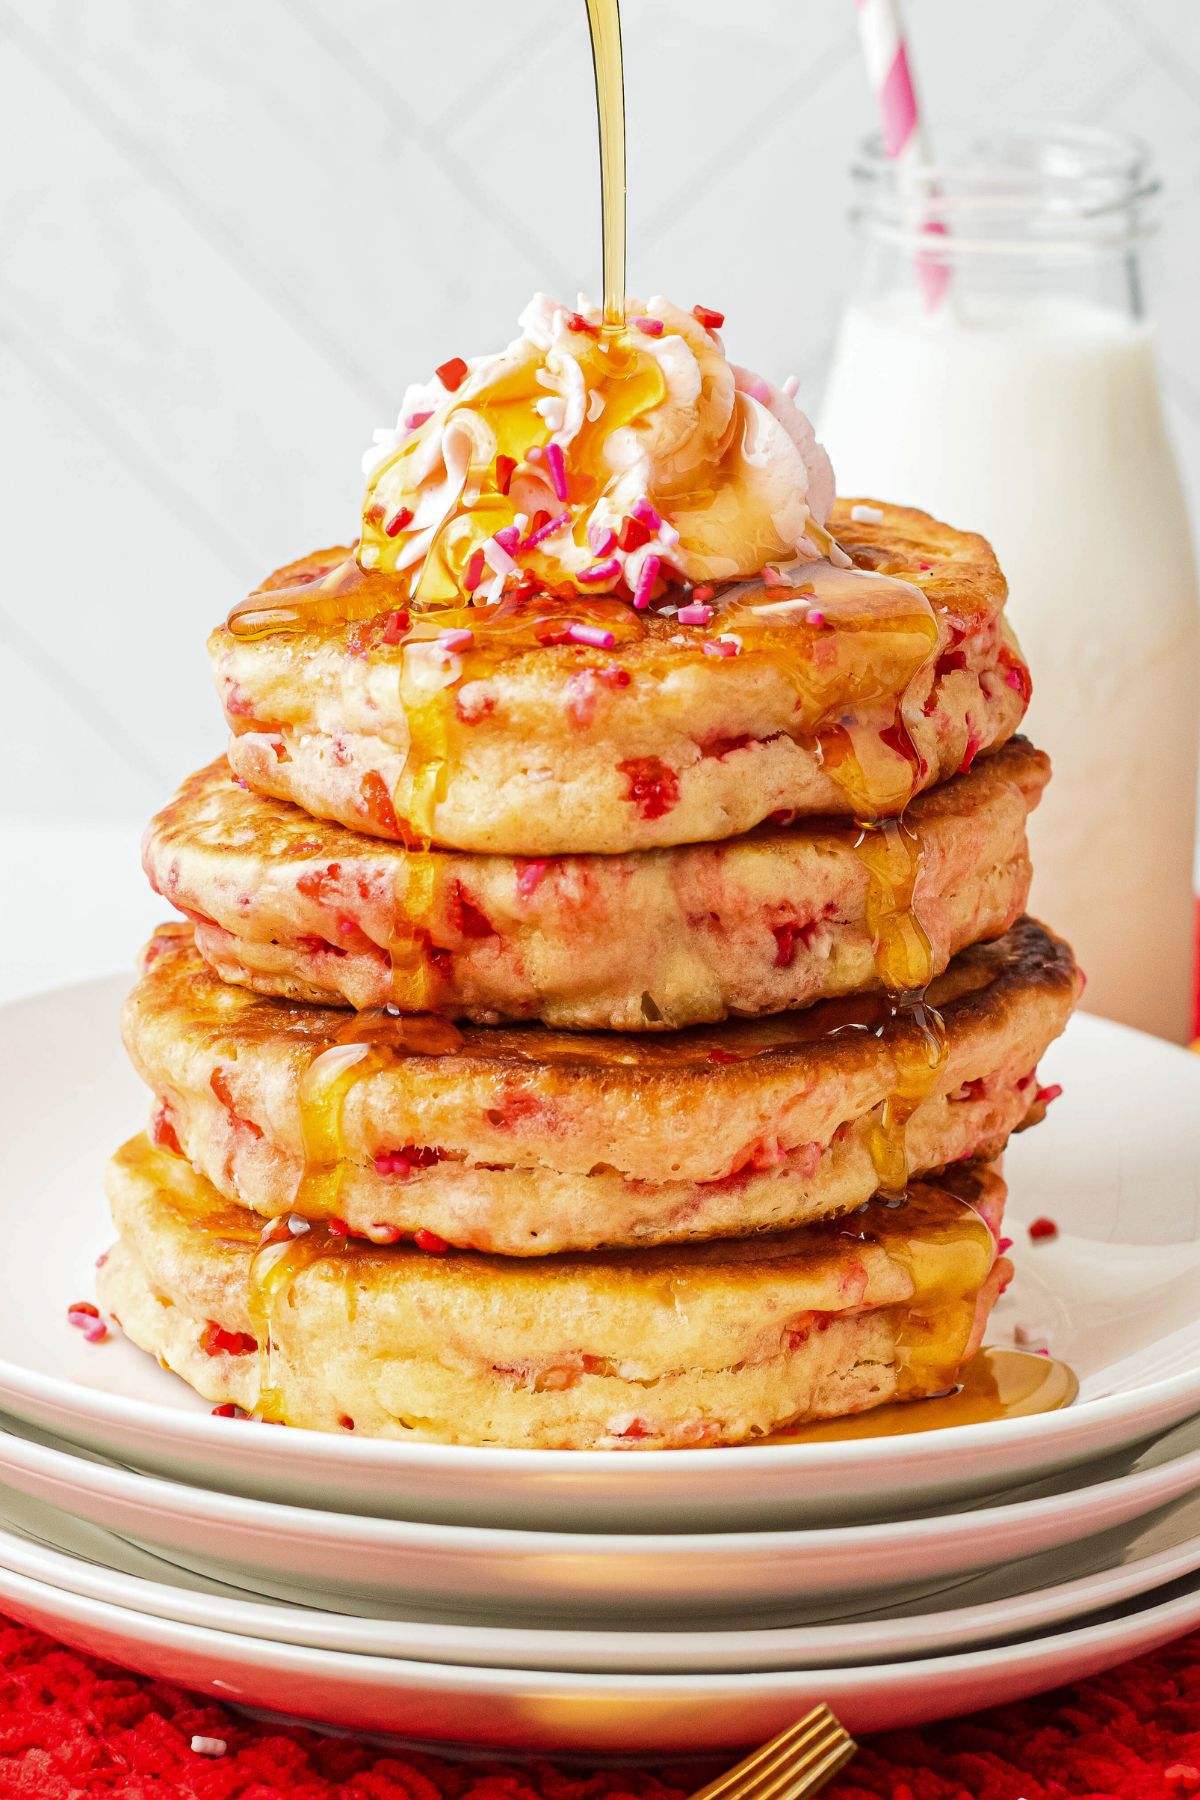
[(1025, 405)]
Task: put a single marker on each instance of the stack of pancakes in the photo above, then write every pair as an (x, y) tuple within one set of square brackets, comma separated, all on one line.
[(570, 1044)]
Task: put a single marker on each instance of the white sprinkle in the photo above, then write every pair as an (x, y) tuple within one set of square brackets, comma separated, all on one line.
[(206, 1746), (494, 591), (668, 535), (553, 409), (298, 1226), (497, 557), (866, 515), (595, 405), (791, 386)]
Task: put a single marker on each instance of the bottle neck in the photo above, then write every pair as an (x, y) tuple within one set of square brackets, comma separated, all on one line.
[(1005, 220)]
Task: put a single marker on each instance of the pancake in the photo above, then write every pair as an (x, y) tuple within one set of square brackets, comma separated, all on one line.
[(775, 919), (708, 1344), (845, 701), (525, 1140)]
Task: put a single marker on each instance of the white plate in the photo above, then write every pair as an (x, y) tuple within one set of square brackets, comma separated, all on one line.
[(1019, 1598), (502, 1575), (560, 1712), (1119, 1159)]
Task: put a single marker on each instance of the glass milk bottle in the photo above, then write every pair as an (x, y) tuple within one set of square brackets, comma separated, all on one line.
[(996, 367)]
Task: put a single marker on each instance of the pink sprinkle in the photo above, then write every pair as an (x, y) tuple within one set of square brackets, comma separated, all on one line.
[(645, 582), (774, 578), (601, 538), (461, 639), (534, 453), (757, 389), (668, 535), (646, 514), (530, 877), (1014, 680), (508, 538), (924, 565), (93, 1328), (814, 616), (497, 557), (549, 529), (651, 327), (415, 420), (607, 570), (1003, 1244), (556, 464), (595, 635), (721, 647), (695, 615)]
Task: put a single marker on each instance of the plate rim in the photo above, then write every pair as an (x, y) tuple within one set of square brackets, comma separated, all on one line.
[(184, 1499), (1068, 1601)]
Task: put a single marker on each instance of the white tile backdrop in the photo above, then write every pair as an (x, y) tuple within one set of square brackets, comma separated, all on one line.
[(232, 229)]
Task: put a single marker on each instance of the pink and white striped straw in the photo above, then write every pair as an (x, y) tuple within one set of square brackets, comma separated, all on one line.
[(885, 52)]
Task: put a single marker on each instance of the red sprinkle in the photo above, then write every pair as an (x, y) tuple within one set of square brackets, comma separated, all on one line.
[(633, 534), (452, 374), (337, 1228), (1043, 1228), (1045, 1095), (395, 626), (227, 1410), (346, 1422), (577, 322), (430, 1242), (398, 521), (473, 574), (216, 1341), (85, 1307), (653, 787), (505, 466), (709, 317), (1003, 1244)]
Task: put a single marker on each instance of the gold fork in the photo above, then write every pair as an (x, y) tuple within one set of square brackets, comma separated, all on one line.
[(793, 1765)]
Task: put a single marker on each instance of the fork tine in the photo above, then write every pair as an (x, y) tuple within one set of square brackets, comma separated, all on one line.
[(780, 1759), (814, 1776), (765, 1758), (784, 1776)]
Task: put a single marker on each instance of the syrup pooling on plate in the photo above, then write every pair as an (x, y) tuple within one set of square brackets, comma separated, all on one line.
[(998, 1383)]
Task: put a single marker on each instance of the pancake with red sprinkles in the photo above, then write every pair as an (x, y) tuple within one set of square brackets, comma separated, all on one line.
[(676, 1347), (526, 1140), (775, 919), (564, 724)]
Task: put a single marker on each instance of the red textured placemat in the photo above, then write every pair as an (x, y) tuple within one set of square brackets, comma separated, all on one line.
[(71, 1726)]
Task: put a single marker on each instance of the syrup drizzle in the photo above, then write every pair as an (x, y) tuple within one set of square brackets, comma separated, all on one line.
[(604, 23)]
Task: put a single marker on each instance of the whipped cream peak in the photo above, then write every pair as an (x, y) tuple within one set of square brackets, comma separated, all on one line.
[(595, 461)]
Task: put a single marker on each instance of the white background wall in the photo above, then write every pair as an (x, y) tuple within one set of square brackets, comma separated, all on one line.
[(232, 229)]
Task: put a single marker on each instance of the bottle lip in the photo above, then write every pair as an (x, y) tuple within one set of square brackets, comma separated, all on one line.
[(1044, 189)]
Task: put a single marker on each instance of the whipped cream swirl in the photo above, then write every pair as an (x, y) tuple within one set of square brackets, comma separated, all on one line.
[(595, 461)]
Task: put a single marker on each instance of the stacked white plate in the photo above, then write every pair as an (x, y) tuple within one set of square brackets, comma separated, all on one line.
[(591, 1602)]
